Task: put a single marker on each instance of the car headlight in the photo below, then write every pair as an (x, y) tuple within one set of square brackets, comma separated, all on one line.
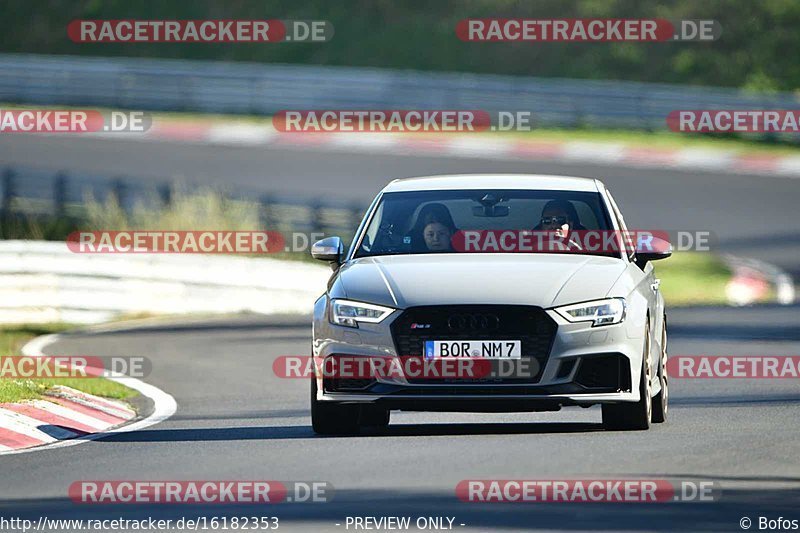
[(349, 313), (599, 312)]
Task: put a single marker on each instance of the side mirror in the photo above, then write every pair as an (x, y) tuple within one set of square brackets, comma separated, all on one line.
[(330, 250), (652, 249)]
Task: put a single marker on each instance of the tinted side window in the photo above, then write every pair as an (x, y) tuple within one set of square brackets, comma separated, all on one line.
[(620, 221)]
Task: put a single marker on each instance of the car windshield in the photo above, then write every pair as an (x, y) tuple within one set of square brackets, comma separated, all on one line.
[(421, 222)]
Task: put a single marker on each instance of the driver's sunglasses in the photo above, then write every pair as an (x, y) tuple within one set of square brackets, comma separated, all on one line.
[(554, 220)]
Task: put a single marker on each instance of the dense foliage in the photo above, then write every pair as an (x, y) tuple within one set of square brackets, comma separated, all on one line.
[(758, 48)]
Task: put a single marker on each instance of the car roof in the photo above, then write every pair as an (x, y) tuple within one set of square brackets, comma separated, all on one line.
[(494, 181)]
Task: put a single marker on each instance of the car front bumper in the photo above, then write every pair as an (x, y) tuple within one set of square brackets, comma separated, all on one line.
[(562, 381)]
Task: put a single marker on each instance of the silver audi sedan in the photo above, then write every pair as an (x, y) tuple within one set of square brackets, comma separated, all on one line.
[(490, 293)]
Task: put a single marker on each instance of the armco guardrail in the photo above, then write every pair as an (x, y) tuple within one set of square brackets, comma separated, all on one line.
[(252, 88), (45, 282)]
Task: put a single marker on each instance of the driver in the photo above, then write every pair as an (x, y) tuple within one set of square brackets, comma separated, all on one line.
[(561, 217)]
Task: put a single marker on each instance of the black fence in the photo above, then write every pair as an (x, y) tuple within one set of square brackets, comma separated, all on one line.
[(56, 203)]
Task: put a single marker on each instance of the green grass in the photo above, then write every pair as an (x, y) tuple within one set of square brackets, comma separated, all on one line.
[(693, 278), (659, 139), (12, 338)]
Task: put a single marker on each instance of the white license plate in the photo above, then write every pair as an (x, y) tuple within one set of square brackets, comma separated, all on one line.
[(486, 349)]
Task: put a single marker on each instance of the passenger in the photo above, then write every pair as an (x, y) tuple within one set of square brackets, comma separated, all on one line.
[(433, 219), (437, 237)]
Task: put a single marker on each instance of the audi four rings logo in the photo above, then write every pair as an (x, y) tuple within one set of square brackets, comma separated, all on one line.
[(473, 322)]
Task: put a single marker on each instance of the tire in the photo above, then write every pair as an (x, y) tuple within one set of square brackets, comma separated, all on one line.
[(633, 416), (332, 418), (374, 416), (661, 400)]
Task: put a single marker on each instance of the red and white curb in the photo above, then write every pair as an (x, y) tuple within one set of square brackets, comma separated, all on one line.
[(69, 417), (752, 279), (65, 413), (472, 145)]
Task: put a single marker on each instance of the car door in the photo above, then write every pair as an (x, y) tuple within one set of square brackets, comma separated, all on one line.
[(648, 285)]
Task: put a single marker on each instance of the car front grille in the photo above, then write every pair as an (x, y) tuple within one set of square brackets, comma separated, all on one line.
[(528, 324), (346, 384)]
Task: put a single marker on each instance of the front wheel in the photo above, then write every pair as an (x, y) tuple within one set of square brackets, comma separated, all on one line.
[(332, 418), (633, 416), (661, 401)]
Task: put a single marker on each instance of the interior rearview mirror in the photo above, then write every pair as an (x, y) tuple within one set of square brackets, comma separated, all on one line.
[(490, 211)]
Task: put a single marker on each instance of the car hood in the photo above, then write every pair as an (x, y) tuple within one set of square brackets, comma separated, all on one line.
[(544, 280)]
